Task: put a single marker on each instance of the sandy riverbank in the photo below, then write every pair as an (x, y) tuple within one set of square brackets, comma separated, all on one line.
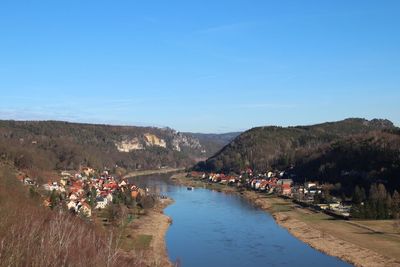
[(151, 172), (318, 236), (155, 224), (347, 241)]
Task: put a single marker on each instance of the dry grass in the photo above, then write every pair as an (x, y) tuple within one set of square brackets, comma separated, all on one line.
[(31, 235), (381, 241)]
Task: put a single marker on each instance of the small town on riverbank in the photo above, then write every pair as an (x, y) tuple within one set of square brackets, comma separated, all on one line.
[(327, 227), (87, 190), (113, 202), (310, 194)]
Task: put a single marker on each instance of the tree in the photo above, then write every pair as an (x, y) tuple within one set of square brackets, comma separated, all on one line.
[(382, 210), (395, 207), (378, 204), (54, 199), (92, 196), (388, 206), (358, 195), (326, 196)]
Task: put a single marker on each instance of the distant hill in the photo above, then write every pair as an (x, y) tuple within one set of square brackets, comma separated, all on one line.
[(212, 143), (313, 150), (63, 145)]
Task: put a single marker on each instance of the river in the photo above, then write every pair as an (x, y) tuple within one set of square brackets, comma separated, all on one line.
[(217, 229)]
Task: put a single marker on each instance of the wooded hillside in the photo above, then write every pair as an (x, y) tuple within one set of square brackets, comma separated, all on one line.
[(343, 151), (60, 145)]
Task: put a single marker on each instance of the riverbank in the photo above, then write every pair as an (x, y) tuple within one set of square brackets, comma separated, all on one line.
[(353, 242), (154, 226), (152, 172), (142, 236), (345, 240)]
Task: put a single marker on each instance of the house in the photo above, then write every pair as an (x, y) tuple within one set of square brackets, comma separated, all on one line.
[(232, 179), (334, 205), (215, 178), (323, 206), (66, 174), (29, 181), (312, 188), (64, 181), (285, 181), (101, 203), (224, 179), (257, 184), (85, 210), (111, 185), (71, 205), (73, 197), (54, 186), (134, 194), (286, 190), (87, 171), (264, 185), (109, 197), (308, 185)]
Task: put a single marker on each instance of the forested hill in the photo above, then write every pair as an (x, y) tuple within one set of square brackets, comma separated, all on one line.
[(52, 145), (358, 160), (324, 151)]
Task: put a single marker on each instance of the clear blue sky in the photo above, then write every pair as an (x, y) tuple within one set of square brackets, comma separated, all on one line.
[(204, 66)]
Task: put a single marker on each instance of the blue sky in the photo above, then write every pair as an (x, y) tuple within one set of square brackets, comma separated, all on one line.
[(202, 66)]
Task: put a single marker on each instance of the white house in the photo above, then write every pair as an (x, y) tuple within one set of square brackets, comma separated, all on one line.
[(109, 197), (101, 203), (73, 197), (71, 205)]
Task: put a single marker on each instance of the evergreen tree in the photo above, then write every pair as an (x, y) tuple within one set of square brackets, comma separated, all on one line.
[(54, 199), (92, 197)]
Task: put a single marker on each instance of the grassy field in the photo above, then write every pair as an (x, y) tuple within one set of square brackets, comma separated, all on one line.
[(137, 242), (379, 236)]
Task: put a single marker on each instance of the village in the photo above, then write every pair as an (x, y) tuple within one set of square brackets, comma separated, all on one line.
[(81, 192), (309, 194)]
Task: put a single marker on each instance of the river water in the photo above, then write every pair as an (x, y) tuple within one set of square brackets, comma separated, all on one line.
[(217, 229)]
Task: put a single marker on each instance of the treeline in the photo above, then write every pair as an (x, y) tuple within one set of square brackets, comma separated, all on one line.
[(378, 204)]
